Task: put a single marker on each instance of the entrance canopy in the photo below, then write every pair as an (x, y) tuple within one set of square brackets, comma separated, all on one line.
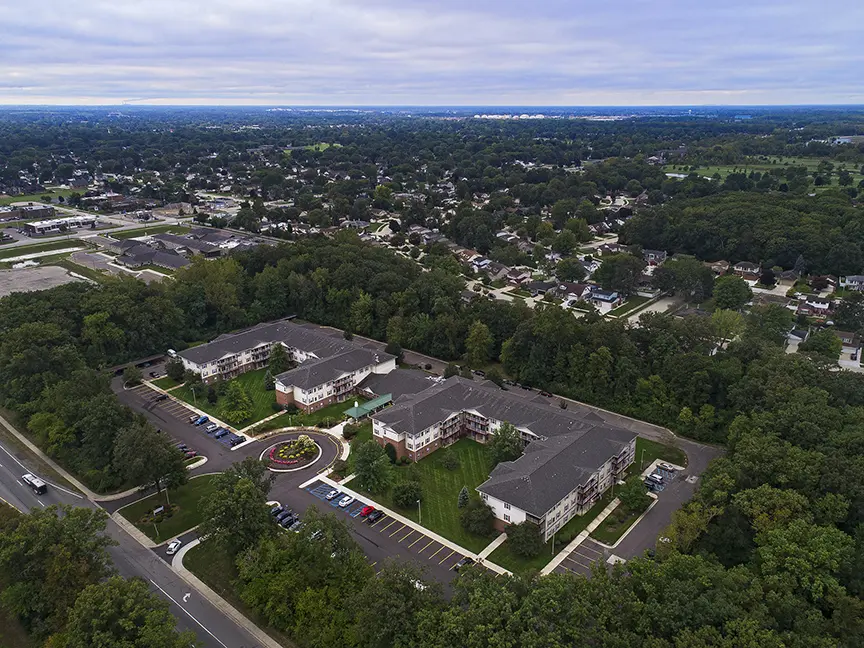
[(364, 410)]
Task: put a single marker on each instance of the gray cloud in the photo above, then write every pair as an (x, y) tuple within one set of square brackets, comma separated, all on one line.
[(446, 52)]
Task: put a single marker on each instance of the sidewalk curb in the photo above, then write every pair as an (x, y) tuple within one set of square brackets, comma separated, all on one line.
[(130, 528), (217, 601)]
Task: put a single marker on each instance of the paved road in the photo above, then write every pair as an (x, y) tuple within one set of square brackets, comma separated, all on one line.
[(213, 629)]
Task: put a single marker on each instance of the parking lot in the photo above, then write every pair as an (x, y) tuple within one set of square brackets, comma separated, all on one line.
[(388, 537), (582, 558)]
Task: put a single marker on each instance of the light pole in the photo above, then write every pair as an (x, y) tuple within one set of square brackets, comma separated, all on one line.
[(419, 513), (642, 460)]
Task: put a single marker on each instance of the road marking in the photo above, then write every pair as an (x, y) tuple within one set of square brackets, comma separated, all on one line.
[(406, 535), (436, 553), (426, 547), (388, 526), (378, 521), (42, 503), (188, 613), (397, 531), (15, 459), (419, 538), (448, 555), (373, 564), (186, 596), (19, 483)]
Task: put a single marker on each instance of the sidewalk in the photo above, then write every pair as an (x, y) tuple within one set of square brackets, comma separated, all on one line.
[(579, 539), (492, 546), (413, 525), (217, 601)]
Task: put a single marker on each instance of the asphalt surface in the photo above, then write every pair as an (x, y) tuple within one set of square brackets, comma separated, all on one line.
[(192, 611)]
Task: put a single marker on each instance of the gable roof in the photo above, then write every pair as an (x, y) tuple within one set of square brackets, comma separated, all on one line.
[(313, 373)]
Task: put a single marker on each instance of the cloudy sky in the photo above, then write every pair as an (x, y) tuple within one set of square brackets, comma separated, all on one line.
[(438, 52)]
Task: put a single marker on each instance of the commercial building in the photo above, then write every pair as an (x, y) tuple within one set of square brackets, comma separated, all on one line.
[(60, 224), (571, 458), (26, 212)]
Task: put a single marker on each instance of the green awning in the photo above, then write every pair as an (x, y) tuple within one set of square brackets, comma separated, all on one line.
[(367, 408)]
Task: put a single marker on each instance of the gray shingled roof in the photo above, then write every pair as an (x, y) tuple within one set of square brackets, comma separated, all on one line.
[(398, 383), (553, 468), (294, 335), (317, 372)]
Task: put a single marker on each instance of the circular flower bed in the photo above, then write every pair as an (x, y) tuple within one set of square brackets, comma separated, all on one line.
[(300, 450)]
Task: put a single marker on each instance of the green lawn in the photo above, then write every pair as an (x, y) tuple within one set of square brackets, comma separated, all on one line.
[(188, 497), (155, 268), (165, 382), (812, 163), (441, 490), (647, 451), (252, 382), (218, 571), (365, 433), (517, 564), (631, 304), (327, 416), (41, 247), (614, 526), (155, 229), (77, 268), (54, 193)]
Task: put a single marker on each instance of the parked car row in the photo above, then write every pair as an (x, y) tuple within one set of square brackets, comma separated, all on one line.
[(656, 481), (188, 453), (216, 431), (286, 518)]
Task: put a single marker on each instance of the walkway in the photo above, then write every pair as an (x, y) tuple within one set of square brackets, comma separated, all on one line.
[(579, 539)]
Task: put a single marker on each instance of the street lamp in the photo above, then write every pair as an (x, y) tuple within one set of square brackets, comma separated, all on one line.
[(642, 460), (419, 513)]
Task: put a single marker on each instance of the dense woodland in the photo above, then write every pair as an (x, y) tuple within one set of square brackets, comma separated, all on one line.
[(770, 552)]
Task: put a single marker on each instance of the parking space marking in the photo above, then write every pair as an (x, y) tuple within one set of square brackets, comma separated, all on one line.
[(378, 521), (397, 531), (436, 553), (419, 538), (445, 558), (426, 547), (406, 535), (388, 526)]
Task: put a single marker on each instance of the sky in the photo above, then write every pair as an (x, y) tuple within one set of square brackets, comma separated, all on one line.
[(437, 52)]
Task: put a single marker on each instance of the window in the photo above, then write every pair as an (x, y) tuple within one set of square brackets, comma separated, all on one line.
[(506, 506), (506, 518)]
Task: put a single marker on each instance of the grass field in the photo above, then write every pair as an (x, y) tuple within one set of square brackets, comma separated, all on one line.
[(188, 497), (83, 270), (628, 306), (772, 162), (218, 571), (165, 382), (155, 229), (328, 416), (647, 451), (441, 490), (11, 253), (54, 193), (252, 382)]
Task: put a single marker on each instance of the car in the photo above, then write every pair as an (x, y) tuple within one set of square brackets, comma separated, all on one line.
[(527, 387), (374, 516), (288, 522), (189, 454), (181, 446), (545, 393), (173, 546), (194, 418), (284, 514), (235, 440), (464, 562), (296, 526), (160, 398), (202, 420), (650, 485), (154, 374), (333, 494), (346, 501), (367, 510), (478, 372), (657, 479), (221, 433), (667, 467), (276, 510), (211, 427)]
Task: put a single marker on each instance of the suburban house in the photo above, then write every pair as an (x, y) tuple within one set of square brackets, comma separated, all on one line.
[(517, 276), (787, 277), (814, 306), (851, 341), (852, 282), (747, 270), (573, 291), (232, 354), (572, 456), (718, 267), (537, 288), (604, 300), (654, 257)]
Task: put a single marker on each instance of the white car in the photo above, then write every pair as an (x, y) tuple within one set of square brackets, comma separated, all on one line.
[(333, 494), (173, 546), (211, 427), (346, 501)]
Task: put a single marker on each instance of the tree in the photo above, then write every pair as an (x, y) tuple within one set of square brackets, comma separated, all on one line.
[(524, 539), (570, 269), (494, 375), (731, 292), (633, 495), (478, 344), (770, 322), (477, 518), (450, 460), (620, 273), (849, 314), (451, 370), (406, 494), (687, 277), (505, 444), (47, 558), (727, 325), (464, 498), (800, 265), (174, 369), (372, 467), (122, 613), (132, 375), (565, 242), (394, 349), (823, 343), (236, 404), (390, 449), (768, 278), (145, 457), (236, 515), (279, 361)]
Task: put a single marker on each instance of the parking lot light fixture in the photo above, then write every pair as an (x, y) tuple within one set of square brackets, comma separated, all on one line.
[(419, 513), (642, 460)]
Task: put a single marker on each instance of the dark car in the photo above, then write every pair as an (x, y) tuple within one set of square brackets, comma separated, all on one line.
[(181, 446), (218, 434), (463, 563), (189, 454), (154, 374), (374, 516), (477, 372), (161, 397), (287, 522), (545, 393), (235, 440), (284, 515), (276, 510)]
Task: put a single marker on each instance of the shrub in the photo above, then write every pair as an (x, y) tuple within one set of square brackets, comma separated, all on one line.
[(349, 431), (277, 407), (464, 498), (406, 494), (477, 518), (291, 408), (450, 461), (394, 349), (390, 449), (525, 539)]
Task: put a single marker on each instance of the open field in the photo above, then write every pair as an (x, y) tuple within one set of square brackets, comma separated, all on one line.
[(187, 497), (165, 382), (768, 164), (22, 250), (252, 382), (155, 229), (54, 193)]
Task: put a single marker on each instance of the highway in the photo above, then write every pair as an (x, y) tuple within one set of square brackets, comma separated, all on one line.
[(192, 611)]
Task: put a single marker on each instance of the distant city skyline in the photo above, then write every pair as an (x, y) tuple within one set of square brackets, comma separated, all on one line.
[(447, 53)]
